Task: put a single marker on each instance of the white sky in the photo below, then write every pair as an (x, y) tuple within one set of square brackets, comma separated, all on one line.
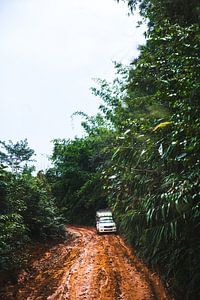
[(49, 52)]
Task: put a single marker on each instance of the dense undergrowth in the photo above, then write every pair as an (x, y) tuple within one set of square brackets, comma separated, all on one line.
[(27, 209)]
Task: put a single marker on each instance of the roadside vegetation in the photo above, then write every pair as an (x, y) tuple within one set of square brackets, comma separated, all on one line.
[(140, 156), (27, 208)]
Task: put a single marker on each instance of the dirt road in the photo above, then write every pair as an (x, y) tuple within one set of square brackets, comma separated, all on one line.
[(87, 267)]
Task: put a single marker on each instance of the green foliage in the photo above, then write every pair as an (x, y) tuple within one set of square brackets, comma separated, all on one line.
[(16, 156), (12, 238), (32, 198), (27, 212), (13, 232), (74, 178), (182, 12)]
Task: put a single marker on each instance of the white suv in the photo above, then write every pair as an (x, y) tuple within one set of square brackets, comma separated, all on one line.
[(105, 223)]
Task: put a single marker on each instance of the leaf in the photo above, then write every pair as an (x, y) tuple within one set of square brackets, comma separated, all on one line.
[(162, 125)]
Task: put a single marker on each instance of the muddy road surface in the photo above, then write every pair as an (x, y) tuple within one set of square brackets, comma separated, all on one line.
[(87, 267)]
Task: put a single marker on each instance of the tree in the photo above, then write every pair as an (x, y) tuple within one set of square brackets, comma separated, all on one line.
[(13, 232), (27, 208), (74, 178), (182, 12), (16, 155)]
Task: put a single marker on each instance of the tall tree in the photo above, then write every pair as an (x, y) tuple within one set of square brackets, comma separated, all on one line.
[(16, 155)]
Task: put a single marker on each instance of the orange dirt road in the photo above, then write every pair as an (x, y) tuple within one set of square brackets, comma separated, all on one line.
[(88, 267)]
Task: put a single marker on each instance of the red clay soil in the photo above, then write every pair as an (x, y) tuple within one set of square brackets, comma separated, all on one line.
[(87, 267)]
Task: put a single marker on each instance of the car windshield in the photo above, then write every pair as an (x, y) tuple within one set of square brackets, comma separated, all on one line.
[(106, 220)]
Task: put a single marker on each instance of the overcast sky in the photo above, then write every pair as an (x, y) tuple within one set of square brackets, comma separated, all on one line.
[(49, 52)]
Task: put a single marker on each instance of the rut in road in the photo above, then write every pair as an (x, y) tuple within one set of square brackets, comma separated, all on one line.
[(88, 267)]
